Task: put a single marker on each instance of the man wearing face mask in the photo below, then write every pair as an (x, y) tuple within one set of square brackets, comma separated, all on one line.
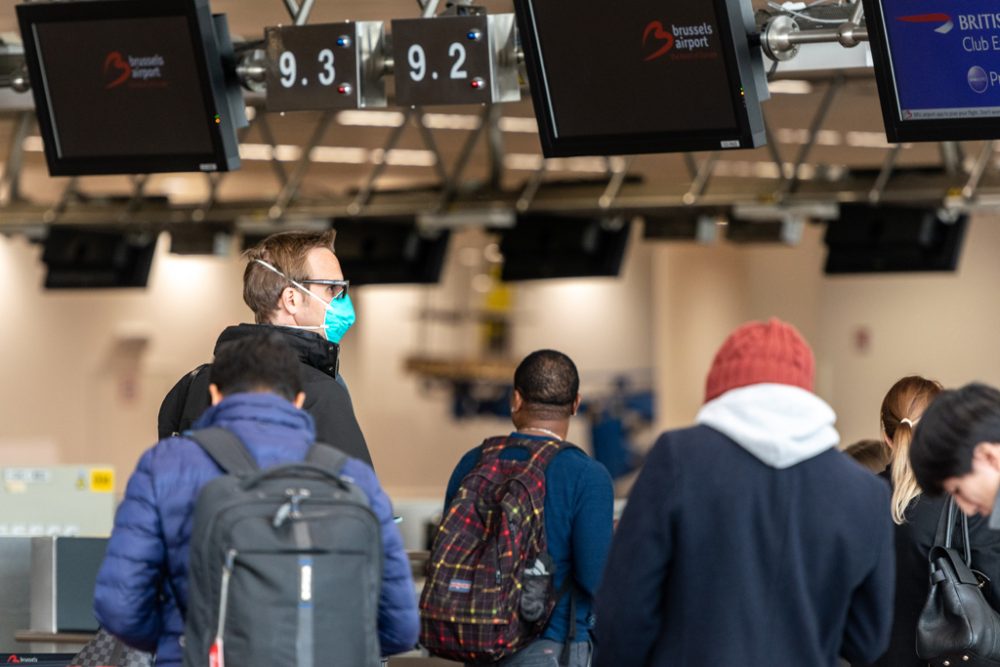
[(294, 285)]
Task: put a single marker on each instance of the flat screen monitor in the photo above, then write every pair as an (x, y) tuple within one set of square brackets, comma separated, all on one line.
[(544, 246), (936, 68), (97, 258), (884, 239), (129, 86), (389, 251), (642, 76)]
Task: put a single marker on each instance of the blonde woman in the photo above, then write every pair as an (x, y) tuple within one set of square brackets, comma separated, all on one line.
[(916, 518)]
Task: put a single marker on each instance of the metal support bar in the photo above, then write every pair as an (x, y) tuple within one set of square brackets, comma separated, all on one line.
[(494, 141), (214, 180), (365, 193), (978, 171), (428, 138), (817, 123), (531, 188), (10, 182), (428, 8), (691, 164), (139, 183), (268, 136), (701, 180), (305, 9), (293, 8), (951, 156), (878, 188), (772, 148), (462, 161), (68, 193), (618, 177), (291, 189)]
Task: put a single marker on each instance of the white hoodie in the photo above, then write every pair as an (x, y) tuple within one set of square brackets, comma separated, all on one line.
[(779, 424)]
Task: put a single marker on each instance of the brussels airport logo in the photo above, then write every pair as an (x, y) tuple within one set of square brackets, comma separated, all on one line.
[(679, 40), (945, 24), (136, 71)]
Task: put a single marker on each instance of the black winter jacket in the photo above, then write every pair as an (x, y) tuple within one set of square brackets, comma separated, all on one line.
[(914, 540), (327, 398), (722, 561)]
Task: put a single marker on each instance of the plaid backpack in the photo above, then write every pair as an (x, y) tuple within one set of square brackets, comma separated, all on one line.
[(488, 554)]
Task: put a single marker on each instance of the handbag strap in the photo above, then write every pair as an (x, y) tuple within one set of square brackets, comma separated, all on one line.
[(945, 534)]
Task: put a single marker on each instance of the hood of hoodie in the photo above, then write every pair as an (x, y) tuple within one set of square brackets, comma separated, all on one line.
[(779, 424), (313, 349)]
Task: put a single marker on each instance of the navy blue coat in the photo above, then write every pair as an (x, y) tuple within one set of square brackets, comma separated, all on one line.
[(721, 560), (145, 568)]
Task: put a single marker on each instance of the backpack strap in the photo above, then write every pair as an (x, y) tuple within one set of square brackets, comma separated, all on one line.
[(327, 457), (226, 450)]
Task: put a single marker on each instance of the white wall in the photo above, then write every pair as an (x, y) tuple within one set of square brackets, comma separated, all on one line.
[(77, 384)]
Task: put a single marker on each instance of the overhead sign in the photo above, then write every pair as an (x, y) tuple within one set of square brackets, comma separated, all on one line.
[(325, 66), (455, 60)]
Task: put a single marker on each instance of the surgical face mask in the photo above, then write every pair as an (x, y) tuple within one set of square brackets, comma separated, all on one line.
[(339, 312)]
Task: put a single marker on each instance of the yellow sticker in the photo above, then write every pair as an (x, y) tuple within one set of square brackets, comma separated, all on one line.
[(102, 480)]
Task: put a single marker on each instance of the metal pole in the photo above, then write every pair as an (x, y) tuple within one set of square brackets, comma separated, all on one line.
[(978, 171), (268, 136), (700, 182), (878, 188), (291, 188), (428, 137), (305, 9), (615, 184), (10, 182), (824, 108), (365, 193), (462, 162), (531, 188), (772, 148), (494, 141)]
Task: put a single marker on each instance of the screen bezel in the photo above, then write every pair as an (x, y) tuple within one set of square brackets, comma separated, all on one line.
[(224, 155), (749, 128), (897, 129)]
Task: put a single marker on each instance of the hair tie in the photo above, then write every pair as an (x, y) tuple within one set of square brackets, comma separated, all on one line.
[(905, 420)]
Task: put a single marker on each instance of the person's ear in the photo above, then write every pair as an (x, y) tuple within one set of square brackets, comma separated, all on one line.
[(576, 404), (988, 453), (290, 300), (216, 395), (516, 402), (300, 399)]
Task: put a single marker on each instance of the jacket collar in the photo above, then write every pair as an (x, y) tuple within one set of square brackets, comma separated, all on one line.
[(260, 408), (779, 424), (313, 349)]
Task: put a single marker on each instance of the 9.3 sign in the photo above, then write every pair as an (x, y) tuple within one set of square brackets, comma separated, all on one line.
[(324, 66), (443, 60)]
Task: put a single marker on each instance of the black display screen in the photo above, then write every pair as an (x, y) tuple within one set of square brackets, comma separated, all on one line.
[(131, 86), (123, 87), (645, 77)]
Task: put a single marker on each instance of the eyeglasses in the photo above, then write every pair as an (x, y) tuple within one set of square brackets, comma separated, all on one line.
[(335, 289)]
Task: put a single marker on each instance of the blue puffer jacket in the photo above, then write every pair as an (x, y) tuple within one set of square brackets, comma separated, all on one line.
[(145, 568)]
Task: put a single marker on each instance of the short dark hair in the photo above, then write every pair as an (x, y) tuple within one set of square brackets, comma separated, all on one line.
[(261, 363), (548, 382), (872, 454), (947, 434)]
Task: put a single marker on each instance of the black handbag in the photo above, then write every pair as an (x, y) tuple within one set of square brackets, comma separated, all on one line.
[(957, 625)]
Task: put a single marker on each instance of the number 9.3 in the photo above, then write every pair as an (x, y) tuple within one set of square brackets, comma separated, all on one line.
[(288, 68)]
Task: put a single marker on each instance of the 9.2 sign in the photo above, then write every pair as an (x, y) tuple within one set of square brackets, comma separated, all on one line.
[(312, 67), (442, 60)]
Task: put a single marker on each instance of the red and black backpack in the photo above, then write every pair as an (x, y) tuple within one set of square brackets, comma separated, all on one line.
[(490, 544)]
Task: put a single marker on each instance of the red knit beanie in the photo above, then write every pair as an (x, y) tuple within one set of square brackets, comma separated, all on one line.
[(772, 351)]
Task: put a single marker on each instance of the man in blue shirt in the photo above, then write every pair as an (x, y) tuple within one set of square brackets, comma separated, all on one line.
[(578, 510)]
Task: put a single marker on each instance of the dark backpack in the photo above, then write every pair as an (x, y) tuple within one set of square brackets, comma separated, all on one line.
[(285, 564), (489, 586)]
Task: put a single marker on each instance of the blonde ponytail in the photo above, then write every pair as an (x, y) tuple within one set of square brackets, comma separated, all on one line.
[(904, 482)]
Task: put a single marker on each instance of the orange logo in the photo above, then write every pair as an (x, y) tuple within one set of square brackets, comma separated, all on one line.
[(658, 33), (116, 66)]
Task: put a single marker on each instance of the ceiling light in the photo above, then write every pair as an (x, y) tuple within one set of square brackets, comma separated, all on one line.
[(340, 154), (451, 121), (357, 117), (518, 124), (790, 87)]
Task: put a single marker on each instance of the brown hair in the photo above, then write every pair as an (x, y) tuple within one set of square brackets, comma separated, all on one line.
[(285, 251), (907, 399), (872, 454)]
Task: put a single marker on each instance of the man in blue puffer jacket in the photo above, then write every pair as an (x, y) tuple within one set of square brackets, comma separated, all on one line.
[(256, 394)]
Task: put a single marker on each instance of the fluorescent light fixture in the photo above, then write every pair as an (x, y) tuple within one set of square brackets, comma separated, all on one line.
[(790, 87), (518, 124), (360, 118), (866, 139), (451, 121), (522, 161), (340, 154), (402, 157), (33, 144)]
